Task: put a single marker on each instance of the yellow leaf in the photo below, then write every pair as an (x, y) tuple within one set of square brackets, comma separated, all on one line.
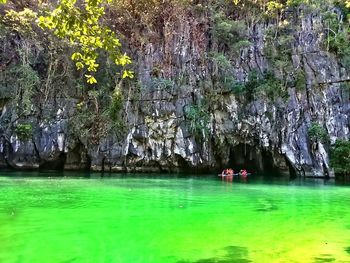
[(128, 74), (76, 56), (79, 65), (90, 79)]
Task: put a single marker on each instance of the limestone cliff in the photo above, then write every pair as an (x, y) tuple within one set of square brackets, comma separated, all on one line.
[(186, 110)]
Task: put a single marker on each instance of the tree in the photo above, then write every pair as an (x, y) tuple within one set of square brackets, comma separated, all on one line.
[(340, 157), (82, 26)]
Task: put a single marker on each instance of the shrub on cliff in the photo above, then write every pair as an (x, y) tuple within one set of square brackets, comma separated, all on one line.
[(317, 133), (24, 131), (197, 118), (340, 157)]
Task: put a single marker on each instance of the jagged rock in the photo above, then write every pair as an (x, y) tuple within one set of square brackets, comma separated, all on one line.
[(267, 136)]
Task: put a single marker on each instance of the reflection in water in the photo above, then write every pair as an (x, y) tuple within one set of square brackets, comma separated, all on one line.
[(347, 249), (233, 254), (324, 258), (266, 205)]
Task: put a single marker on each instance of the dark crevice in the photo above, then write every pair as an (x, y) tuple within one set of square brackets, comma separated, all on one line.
[(56, 164), (78, 158), (292, 171)]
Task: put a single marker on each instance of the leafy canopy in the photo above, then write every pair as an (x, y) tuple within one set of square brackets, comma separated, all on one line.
[(340, 157), (20, 21), (82, 26)]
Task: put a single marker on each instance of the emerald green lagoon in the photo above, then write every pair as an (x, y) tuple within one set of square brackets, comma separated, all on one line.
[(171, 219)]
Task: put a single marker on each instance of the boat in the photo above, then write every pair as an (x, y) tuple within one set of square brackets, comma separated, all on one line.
[(236, 174)]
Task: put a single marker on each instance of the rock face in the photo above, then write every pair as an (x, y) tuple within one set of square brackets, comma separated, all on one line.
[(260, 134)]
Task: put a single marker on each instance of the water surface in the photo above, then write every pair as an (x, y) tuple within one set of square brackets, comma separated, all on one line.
[(164, 219)]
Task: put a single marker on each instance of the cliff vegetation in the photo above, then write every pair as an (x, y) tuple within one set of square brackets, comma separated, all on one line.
[(150, 85)]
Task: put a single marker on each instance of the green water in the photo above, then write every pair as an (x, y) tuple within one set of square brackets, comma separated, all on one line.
[(157, 219)]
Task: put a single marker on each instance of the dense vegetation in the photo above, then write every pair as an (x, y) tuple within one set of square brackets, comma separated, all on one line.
[(73, 50), (340, 157)]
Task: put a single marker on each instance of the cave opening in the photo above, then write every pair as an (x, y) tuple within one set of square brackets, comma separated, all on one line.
[(54, 164), (258, 160)]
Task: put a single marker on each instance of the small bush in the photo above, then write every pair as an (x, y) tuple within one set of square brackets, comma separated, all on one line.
[(262, 85), (300, 80), (116, 105), (340, 157), (295, 3), (317, 133), (198, 119), (337, 37), (162, 83), (237, 88), (24, 131), (271, 87), (230, 33), (222, 62)]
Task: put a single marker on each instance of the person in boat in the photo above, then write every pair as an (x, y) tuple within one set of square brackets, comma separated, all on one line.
[(230, 172), (224, 172), (244, 173)]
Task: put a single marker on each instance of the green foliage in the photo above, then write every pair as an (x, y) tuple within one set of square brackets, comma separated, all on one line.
[(21, 21), (116, 105), (345, 86), (83, 124), (296, 3), (26, 80), (223, 69), (228, 83), (340, 157), (238, 88), (230, 33), (260, 85), (248, 88), (83, 28), (340, 44), (344, 7), (278, 47), (271, 87), (317, 133), (100, 113), (273, 7), (92, 126), (252, 84), (300, 80), (268, 8), (197, 117), (162, 83), (337, 36), (221, 61), (243, 43), (26, 76), (24, 131)]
